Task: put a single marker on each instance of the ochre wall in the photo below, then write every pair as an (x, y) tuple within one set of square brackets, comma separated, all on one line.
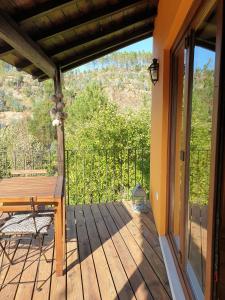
[(170, 18)]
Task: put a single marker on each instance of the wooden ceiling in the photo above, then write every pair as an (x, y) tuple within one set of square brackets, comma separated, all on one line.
[(39, 36)]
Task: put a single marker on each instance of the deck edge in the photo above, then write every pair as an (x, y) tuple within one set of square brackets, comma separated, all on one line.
[(174, 280)]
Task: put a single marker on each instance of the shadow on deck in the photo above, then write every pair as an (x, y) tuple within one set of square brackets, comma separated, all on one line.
[(111, 253)]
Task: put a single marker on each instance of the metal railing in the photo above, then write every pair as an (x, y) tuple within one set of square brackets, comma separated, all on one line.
[(41, 159), (200, 161), (105, 175), (91, 175)]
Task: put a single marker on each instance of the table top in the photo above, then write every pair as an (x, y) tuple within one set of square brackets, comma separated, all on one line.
[(42, 187)]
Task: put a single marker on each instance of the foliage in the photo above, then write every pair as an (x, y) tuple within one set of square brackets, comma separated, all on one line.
[(108, 145), (128, 60), (40, 125), (21, 150), (107, 174), (107, 128), (201, 127)]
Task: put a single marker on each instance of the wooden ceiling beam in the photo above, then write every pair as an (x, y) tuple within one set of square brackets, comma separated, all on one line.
[(107, 51), (101, 52), (135, 21), (83, 21), (107, 11), (42, 9), (17, 39), (125, 36), (98, 35)]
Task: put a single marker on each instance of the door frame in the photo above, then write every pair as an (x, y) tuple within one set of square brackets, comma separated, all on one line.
[(216, 265), (197, 16)]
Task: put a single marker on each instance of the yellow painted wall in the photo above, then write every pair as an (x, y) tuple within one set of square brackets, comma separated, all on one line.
[(170, 18)]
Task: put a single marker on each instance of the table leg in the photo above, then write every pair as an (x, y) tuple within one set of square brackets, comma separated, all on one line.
[(59, 247)]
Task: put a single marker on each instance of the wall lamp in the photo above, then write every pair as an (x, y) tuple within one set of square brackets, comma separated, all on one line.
[(154, 70)]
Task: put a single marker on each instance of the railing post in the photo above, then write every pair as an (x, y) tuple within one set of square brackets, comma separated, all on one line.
[(135, 167), (106, 175), (128, 173), (142, 166), (67, 177)]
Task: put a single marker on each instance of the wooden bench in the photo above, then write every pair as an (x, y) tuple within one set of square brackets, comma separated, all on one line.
[(28, 172)]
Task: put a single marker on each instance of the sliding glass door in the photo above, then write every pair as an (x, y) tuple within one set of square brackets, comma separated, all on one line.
[(178, 143), (190, 156), (200, 122)]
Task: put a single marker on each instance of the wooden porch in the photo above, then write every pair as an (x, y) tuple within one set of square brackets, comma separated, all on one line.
[(112, 253)]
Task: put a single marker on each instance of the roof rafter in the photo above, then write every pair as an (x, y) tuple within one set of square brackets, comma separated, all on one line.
[(84, 20), (100, 54), (16, 38), (107, 51), (116, 40), (137, 20), (76, 43), (114, 45), (42, 9)]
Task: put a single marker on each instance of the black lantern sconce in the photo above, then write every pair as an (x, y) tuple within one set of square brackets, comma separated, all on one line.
[(154, 70)]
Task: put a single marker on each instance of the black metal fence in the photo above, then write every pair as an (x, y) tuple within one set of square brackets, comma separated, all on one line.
[(91, 175), (200, 161), (107, 174), (27, 160)]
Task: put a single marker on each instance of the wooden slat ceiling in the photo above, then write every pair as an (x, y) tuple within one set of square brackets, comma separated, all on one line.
[(71, 33)]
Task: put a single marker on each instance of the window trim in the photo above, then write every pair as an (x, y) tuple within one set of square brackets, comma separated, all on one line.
[(197, 14)]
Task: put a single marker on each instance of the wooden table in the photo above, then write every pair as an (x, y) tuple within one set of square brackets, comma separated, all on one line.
[(45, 190)]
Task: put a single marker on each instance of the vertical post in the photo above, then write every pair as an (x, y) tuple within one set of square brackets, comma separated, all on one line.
[(60, 129), (68, 176), (60, 208)]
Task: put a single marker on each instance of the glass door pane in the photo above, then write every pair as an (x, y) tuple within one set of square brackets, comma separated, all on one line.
[(201, 106), (177, 145)]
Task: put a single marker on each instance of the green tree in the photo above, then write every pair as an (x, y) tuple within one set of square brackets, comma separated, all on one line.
[(110, 149), (40, 125), (201, 127)]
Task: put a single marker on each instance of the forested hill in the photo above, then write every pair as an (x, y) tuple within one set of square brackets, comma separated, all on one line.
[(122, 75)]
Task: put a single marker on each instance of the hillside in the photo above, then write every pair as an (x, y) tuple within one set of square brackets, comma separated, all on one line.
[(123, 77)]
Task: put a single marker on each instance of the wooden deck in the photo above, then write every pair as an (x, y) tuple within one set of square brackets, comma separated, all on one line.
[(112, 253)]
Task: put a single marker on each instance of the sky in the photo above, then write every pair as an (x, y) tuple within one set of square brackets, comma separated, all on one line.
[(202, 56), (143, 45), (140, 46)]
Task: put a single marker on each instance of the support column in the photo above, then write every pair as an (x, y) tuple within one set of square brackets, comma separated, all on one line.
[(60, 128)]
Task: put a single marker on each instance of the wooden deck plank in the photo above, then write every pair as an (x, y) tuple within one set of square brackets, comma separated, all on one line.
[(151, 237), (12, 278), (4, 264), (195, 243), (145, 268), (45, 268), (119, 276), (106, 285), (58, 285), (90, 283), (142, 237), (139, 287), (154, 260), (111, 254), (74, 283), (147, 219), (26, 286)]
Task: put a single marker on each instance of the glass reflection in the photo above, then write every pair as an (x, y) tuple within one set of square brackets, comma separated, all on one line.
[(200, 153)]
